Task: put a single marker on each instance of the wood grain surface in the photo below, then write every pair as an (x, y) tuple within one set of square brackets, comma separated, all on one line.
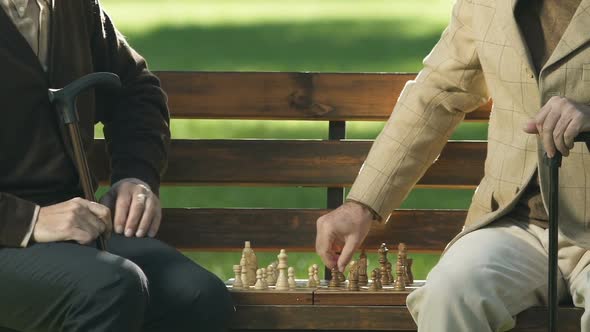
[(287, 96)]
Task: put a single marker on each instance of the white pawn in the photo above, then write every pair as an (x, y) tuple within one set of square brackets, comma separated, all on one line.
[(311, 280), (245, 281), (270, 275), (238, 277), (264, 278), (291, 279), (282, 280), (316, 276), (259, 283)]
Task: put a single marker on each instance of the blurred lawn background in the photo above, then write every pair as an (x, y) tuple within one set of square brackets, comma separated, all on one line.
[(285, 35)]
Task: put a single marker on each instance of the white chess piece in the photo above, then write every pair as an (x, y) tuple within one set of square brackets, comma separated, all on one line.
[(291, 279), (245, 280), (264, 278), (311, 280), (282, 280), (238, 277), (259, 283), (270, 275), (251, 263), (316, 276)]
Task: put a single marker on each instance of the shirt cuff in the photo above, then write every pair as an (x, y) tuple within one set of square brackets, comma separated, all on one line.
[(29, 234)]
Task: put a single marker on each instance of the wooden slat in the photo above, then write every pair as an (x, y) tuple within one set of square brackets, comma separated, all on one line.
[(296, 163), (323, 318), (372, 318), (297, 96), (295, 229), (301, 296)]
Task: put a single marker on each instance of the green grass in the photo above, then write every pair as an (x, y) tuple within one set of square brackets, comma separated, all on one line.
[(285, 35)]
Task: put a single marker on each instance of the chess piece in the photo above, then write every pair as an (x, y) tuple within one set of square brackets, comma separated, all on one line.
[(264, 276), (291, 279), (383, 273), (378, 273), (275, 268), (409, 262), (251, 263), (374, 283), (362, 264), (283, 280), (384, 279), (390, 277), (335, 281), (311, 281), (316, 275), (259, 283), (245, 281), (270, 275), (403, 254), (353, 277), (341, 277), (238, 277), (400, 284)]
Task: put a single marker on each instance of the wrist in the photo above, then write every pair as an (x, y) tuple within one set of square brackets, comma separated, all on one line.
[(369, 213)]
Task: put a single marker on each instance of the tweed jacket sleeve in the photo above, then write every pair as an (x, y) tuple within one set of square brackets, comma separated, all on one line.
[(136, 119), (426, 113)]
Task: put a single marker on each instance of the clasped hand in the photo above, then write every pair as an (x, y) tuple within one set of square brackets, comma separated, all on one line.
[(558, 123), (137, 212)]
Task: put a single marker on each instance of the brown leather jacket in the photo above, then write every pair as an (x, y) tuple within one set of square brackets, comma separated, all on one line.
[(35, 168)]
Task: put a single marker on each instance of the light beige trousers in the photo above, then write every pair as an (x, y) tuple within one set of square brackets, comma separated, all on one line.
[(490, 275)]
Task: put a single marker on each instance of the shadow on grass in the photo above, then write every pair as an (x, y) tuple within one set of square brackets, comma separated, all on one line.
[(338, 45)]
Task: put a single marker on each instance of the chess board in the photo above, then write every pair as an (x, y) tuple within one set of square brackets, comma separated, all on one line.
[(322, 295)]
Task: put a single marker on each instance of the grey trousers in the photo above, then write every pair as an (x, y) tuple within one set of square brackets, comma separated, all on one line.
[(139, 285), (490, 275)]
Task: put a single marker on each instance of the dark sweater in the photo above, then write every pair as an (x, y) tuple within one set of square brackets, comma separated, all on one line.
[(35, 155)]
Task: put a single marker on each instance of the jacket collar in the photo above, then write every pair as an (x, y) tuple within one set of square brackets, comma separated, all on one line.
[(576, 34)]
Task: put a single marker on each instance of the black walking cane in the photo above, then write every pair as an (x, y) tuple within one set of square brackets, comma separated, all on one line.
[(554, 165), (65, 102)]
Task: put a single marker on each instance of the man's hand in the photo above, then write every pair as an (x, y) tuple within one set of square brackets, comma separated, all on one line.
[(558, 123), (137, 209), (342, 231), (77, 219)]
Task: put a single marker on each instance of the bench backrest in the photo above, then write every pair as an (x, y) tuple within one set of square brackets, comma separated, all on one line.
[(332, 164)]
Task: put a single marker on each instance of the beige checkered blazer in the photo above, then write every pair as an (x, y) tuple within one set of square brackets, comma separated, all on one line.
[(482, 54)]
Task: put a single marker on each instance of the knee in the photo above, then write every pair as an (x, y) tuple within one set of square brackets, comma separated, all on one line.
[(115, 282), (208, 303), (461, 286)]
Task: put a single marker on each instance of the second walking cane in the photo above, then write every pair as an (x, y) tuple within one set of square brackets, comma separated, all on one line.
[(65, 102)]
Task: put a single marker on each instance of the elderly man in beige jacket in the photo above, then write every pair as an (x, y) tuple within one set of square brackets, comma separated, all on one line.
[(532, 57)]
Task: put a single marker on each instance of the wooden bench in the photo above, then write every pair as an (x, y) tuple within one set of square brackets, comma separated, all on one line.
[(331, 164)]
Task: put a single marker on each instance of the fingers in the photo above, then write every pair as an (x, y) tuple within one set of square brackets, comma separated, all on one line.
[(547, 132), (103, 214), (83, 223), (152, 207), (558, 133), (558, 123), (136, 210), (122, 205), (155, 226), (324, 244), (350, 247)]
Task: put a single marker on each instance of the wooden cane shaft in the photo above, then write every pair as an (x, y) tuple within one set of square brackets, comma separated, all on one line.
[(83, 170)]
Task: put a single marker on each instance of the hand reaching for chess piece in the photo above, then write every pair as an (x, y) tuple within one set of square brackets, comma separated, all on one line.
[(341, 232)]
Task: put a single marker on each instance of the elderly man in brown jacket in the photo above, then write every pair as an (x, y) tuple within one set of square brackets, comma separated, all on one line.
[(50, 280), (533, 59)]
